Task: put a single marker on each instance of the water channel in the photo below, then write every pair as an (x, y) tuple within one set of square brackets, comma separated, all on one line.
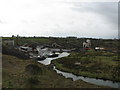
[(47, 61)]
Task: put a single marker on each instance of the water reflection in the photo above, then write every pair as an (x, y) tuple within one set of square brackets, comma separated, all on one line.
[(89, 80), (47, 61)]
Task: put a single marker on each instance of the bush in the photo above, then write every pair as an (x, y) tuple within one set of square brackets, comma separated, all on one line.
[(32, 82), (14, 52), (116, 72), (33, 69)]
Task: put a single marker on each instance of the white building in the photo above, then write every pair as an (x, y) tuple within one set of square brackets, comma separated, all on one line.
[(87, 44)]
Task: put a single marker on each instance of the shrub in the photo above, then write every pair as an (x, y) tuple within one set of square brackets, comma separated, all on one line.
[(14, 52), (33, 69), (32, 82)]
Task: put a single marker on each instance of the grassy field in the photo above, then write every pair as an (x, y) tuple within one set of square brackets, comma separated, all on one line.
[(103, 65), (18, 73), (68, 42)]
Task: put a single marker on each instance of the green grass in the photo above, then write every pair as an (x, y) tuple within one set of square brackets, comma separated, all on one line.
[(67, 43), (29, 40), (16, 76), (94, 64)]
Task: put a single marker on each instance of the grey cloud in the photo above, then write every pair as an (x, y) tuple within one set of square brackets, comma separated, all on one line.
[(107, 9), (71, 23), (24, 21), (1, 21), (29, 21), (119, 20)]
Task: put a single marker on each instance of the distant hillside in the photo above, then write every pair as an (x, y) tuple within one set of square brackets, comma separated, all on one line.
[(69, 42)]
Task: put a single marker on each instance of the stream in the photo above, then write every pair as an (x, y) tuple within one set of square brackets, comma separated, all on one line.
[(47, 61)]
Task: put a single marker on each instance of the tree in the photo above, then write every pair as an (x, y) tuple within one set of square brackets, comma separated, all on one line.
[(13, 36)]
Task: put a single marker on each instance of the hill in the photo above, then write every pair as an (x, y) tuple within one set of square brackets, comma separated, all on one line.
[(18, 73)]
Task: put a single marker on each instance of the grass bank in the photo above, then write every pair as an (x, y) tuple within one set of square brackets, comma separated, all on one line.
[(18, 73), (102, 65)]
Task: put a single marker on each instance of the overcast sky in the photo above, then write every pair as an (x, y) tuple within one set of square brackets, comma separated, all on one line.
[(59, 18)]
